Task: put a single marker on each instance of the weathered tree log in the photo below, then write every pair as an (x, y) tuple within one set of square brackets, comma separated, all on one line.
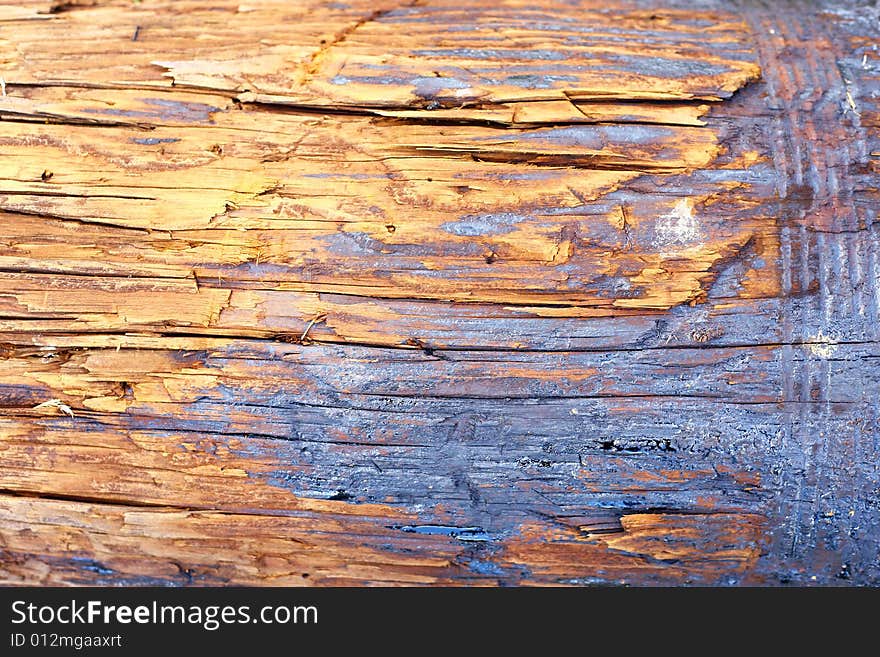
[(386, 292)]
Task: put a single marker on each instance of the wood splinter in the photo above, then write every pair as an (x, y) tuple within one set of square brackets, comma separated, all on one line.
[(304, 338), (55, 403)]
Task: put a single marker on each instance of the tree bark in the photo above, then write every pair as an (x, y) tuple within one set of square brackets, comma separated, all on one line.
[(432, 293)]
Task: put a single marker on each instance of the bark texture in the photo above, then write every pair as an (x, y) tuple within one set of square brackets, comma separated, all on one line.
[(432, 292)]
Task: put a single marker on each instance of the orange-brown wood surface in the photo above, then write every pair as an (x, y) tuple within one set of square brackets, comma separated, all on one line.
[(439, 293)]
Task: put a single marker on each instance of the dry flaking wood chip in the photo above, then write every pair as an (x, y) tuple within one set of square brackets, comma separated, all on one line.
[(55, 403)]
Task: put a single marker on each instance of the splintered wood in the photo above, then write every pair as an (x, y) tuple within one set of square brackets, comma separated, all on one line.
[(432, 293)]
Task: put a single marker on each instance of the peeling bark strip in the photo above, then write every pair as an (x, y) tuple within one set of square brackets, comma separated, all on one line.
[(351, 204), (421, 293)]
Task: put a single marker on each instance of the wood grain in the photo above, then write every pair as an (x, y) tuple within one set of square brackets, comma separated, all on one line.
[(418, 293)]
